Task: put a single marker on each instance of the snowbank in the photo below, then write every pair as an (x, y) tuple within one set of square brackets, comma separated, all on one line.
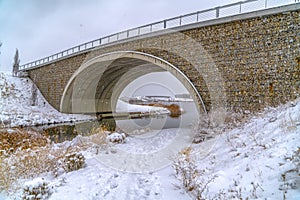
[(16, 105), (256, 160)]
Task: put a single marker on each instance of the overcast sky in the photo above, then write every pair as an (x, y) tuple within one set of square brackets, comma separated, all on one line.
[(39, 28)]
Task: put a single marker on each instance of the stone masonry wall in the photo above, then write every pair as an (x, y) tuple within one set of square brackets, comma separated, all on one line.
[(258, 59)]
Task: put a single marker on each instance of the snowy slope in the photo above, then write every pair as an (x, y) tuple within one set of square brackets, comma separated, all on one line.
[(16, 109), (255, 160)]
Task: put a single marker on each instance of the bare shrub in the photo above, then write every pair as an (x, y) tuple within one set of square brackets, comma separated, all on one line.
[(217, 122), (12, 140), (29, 154), (195, 181)]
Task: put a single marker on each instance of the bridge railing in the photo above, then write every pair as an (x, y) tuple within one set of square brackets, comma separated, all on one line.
[(200, 16)]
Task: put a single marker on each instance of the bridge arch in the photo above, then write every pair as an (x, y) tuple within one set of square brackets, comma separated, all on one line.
[(97, 84)]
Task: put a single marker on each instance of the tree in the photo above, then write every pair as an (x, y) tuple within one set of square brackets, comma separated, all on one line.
[(16, 63)]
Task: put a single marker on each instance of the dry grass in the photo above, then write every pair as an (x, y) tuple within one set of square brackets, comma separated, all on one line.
[(217, 122), (30, 154), (12, 140), (195, 181)]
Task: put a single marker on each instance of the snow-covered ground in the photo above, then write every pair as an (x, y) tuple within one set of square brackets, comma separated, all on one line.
[(16, 106), (256, 160)]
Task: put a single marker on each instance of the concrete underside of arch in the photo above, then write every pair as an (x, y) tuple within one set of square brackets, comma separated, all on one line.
[(96, 86)]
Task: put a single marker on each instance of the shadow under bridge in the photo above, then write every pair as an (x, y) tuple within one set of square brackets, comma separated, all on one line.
[(96, 86)]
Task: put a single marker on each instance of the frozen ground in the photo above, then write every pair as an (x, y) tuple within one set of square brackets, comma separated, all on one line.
[(253, 161)]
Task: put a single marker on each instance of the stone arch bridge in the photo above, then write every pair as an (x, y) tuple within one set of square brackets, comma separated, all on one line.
[(242, 62)]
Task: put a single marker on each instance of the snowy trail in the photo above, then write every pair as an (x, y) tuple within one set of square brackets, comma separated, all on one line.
[(99, 182)]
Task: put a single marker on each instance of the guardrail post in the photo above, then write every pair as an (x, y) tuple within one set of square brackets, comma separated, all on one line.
[(180, 18), (217, 12), (240, 7), (165, 23)]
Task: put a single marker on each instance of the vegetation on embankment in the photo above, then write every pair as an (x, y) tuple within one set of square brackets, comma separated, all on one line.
[(175, 110)]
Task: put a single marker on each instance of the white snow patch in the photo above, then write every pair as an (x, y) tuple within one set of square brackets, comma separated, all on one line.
[(16, 106)]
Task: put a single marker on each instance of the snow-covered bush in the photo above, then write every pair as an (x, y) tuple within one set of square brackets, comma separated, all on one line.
[(195, 181), (36, 189), (116, 137), (73, 161)]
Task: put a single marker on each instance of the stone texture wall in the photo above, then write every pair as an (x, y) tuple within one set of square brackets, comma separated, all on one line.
[(258, 60)]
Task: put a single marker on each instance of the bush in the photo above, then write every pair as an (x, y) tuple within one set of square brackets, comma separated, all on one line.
[(195, 181), (73, 161), (116, 137), (36, 189)]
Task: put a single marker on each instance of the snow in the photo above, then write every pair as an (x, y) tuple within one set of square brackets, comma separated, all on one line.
[(116, 137), (125, 107), (254, 157), (16, 108), (253, 160), (36, 189)]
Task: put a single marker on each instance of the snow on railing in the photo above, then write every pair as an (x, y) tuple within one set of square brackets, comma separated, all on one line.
[(200, 16)]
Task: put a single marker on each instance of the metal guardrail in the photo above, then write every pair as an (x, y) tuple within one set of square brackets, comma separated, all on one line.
[(200, 16)]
